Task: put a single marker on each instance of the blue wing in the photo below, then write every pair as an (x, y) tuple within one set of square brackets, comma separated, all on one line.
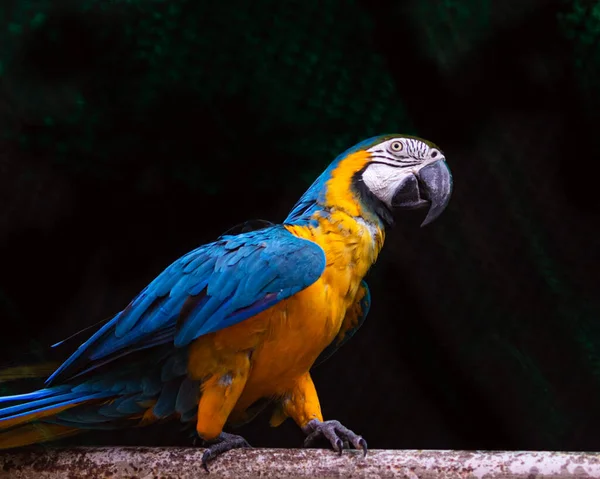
[(355, 317), (215, 286)]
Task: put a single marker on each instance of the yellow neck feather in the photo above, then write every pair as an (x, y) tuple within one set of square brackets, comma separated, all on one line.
[(339, 193), (349, 233), (349, 242)]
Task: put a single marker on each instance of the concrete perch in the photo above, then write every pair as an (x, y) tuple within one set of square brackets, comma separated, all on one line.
[(134, 462)]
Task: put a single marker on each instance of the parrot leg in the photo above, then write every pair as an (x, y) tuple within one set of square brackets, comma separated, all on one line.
[(337, 434), (301, 403), (220, 394), (222, 443)]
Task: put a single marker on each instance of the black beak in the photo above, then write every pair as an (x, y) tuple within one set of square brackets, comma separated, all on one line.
[(430, 186)]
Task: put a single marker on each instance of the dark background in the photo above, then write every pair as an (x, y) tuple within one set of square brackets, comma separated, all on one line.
[(134, 131)]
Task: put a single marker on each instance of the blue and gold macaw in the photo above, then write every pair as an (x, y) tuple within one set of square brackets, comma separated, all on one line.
[(240, 322)]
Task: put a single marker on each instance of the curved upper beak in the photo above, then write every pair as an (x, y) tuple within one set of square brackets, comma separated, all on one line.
[(435, 180), (430, 186)]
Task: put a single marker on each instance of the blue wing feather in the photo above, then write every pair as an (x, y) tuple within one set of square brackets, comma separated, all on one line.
[(130, 405), (224, 283), (165, 406), (187, 397)]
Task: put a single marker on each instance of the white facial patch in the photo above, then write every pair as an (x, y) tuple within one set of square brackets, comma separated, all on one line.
[(392, 161), (383, 180), (406, 151)]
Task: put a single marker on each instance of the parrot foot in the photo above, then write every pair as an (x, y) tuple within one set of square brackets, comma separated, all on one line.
[(339, 436), (222, 443)]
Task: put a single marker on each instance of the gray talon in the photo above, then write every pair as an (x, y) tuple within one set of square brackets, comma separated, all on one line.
[(362, 444), (339, 436), (223, 443)]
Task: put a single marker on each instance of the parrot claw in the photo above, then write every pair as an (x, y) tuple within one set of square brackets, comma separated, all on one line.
[(222, 443), (339, 436)]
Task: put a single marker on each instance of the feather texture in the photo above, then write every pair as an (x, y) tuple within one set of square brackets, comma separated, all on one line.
[(236, 277)]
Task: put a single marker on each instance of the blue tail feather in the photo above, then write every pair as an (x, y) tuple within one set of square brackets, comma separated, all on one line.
[(72, 398), (34, 405), (39, 394)]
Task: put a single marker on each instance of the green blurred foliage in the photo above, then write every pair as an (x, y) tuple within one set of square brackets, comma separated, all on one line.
[(136, 55), (449, 29), (580, 22)]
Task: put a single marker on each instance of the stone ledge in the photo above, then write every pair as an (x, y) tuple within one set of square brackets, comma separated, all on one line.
[(134, 462)]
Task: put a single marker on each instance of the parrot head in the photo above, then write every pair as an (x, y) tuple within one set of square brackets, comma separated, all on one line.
[(404, 173), (378, 176)]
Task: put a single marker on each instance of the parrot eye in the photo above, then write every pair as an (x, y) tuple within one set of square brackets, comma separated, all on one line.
[(396, 146), (434, 153)]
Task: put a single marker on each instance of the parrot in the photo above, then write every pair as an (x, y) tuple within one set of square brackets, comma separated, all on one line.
[(237, 325)]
